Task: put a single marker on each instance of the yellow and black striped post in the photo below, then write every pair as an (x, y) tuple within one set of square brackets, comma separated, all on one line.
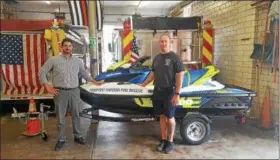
[(207, 48), (127, 41)]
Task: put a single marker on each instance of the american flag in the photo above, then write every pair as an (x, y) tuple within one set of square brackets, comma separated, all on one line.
[(22, 56), (135, 53)]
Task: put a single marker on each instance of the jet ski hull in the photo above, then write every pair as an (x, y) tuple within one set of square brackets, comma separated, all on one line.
[(200, 98), (225, 101)]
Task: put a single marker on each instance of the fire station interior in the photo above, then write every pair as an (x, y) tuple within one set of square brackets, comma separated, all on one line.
[(229, 100)]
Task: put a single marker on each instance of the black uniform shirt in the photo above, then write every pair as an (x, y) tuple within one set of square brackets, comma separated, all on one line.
[(165, 67)]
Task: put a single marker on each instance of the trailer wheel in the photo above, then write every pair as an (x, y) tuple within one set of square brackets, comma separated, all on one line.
[(194, 130)]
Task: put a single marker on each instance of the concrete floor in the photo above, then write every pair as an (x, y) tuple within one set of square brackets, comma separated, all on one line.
[(16, 146), (137, 141)]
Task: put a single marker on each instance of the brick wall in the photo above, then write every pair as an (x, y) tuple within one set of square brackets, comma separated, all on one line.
[(238, 26)]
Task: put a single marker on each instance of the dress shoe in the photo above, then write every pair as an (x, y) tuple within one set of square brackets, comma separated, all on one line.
[(59, 145), (79, 140)]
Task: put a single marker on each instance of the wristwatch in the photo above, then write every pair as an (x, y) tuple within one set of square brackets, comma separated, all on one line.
[(177, 93)]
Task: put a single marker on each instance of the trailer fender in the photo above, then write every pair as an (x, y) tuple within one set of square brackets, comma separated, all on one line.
[(198, 115)]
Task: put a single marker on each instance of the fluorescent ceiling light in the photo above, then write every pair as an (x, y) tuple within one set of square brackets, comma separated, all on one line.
[(144, 3), (158, 4), (48, 2), (118, 26)]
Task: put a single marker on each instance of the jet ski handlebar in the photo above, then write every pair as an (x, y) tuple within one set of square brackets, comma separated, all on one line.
[(122, 83)]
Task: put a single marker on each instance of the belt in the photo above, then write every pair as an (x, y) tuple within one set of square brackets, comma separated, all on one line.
[(163, 88), (65, 88)]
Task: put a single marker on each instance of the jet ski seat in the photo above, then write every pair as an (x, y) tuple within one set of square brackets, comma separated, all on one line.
[(191, 77), (196, 77)]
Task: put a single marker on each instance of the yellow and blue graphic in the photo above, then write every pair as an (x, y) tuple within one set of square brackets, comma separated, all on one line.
[(185, 102)]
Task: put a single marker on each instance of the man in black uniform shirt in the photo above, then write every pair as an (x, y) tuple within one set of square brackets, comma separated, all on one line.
[(167, 73)]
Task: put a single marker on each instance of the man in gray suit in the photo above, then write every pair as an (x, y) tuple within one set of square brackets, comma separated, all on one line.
[(66, 70)]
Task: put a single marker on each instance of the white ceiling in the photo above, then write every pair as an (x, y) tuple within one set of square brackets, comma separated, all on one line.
[(43, 2), (142, 4), (119, 3), (112, 3), (158, 4), (114, 11)]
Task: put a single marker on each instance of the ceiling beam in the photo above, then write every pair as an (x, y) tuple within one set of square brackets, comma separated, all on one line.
[(178, 9), (115, 14), (132, 10)]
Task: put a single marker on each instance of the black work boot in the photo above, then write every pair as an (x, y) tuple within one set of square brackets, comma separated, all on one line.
[(161, 146), (79, 140), (59, 145)]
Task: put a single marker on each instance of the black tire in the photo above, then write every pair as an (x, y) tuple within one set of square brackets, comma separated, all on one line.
[(190, 121)]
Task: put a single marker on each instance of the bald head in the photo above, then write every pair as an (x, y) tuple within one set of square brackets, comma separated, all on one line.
[(164, 42), (165, 35)]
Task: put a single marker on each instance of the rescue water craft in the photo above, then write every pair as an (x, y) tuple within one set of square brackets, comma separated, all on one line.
[(201, 97)]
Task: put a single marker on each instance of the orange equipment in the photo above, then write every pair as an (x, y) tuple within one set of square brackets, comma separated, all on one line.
[(33, 126), (265, 121)]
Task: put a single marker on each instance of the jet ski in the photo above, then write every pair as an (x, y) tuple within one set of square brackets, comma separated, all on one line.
[(123, 71), (200, 97)]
